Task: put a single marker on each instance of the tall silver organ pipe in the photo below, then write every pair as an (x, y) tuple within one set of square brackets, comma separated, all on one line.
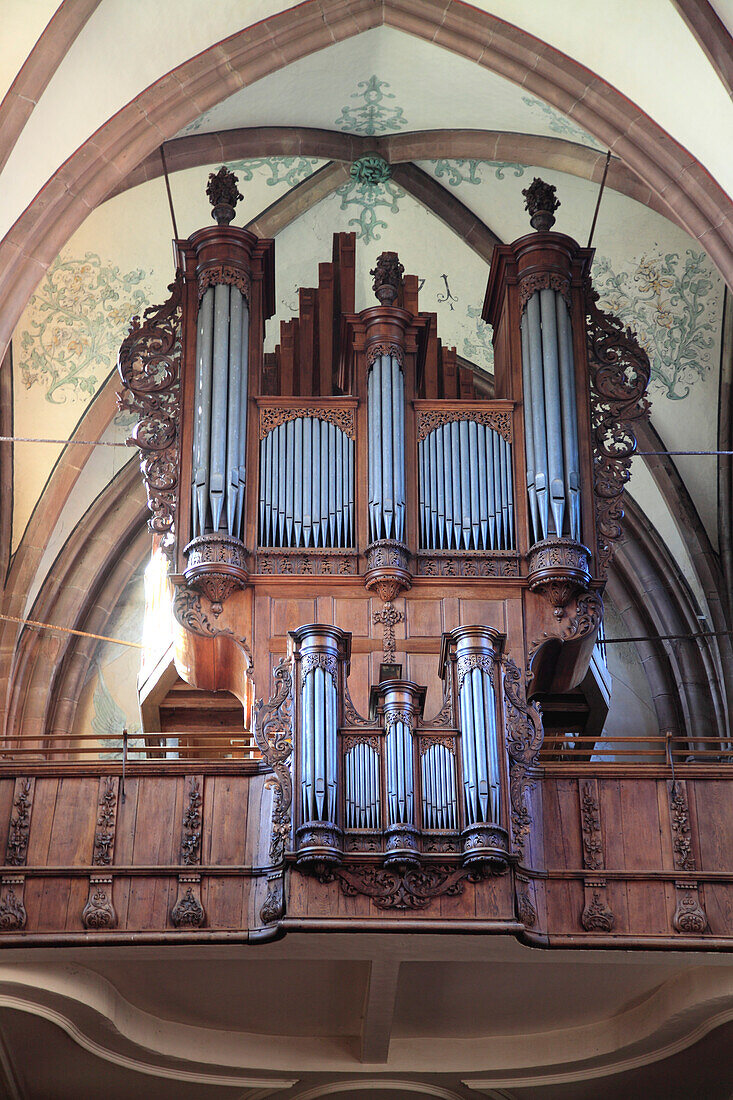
[(400, 773), (550, 416), (362, 787), (220, 421), (466, 497), (438, 787), (306, 485), (386, 410), (480, 755)]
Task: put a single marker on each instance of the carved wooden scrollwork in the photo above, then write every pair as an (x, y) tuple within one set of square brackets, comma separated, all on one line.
[(227, 274), (543, 280), (272, 726), (104, 837), (374, 351), (20, 822), (326, 661), (428, 740), (188, 612), (524, 734), (272, 416), (469, 662), (351, 715), (499, 420), (188, 912), (149, 363), (619, 374), (411, 888), (98, 913)]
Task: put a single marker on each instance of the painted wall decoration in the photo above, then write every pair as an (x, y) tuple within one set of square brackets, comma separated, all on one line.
[(373, 115), (560, 124), (671, 301), (456, 172), (76, 321), (369, 190), (109, 721), (478, 346), (288, 170)]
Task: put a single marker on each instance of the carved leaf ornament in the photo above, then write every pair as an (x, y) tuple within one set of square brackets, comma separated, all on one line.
[(524, 734), (272, 726)]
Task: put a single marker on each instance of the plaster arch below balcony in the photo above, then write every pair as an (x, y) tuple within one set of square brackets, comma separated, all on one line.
[(667, 1019)]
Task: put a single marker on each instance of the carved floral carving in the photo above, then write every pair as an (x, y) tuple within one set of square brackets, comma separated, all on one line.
[(326, 661), (469, 662), (498, 420), (149, 363), (684, 859), (305, 563), (99, 913), (225, 274), (543, 280), (388, 616), (596, 916), (223, 194), (444, 563), (272, 725), (271, 416), (188, 912), (12, 910), (412, 888), (375, 351), (524, 734), (20, 823), (590, 816), (619, 374), (104, 838), (191, 825), (541, 203)]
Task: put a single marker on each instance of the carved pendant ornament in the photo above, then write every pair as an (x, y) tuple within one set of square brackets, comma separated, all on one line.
[(98, 914), (149, 364), (388, 616), (619, 375), (12, 910), (188, 912)]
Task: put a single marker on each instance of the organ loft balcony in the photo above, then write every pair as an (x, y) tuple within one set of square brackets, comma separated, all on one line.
[(373, 689)]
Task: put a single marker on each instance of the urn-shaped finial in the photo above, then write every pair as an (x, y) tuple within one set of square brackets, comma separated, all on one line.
[(387, 278), (223, 195), (541, 204)]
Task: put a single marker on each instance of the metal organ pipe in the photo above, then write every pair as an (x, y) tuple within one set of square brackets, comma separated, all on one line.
[(361, 796), (220, 421), (550, 416), (438, 783), (475, 648), (306, 485), (386, 407), (466, 494)]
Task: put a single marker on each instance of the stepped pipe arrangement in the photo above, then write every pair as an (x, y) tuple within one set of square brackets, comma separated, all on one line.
[(306, 485), (473, 650), (400, 704), (319, 653), (466, 490)]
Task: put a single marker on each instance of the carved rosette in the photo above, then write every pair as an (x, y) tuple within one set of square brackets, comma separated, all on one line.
[(188, 912), (149, 364), (216, 565), (272, 727), (12, 910), (485, 843), (619, 375), (98, 914), (558, 571), (387, 568)]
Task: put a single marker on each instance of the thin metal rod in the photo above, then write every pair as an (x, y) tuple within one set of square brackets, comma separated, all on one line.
[(600, 196), (670, 637), (65, 442), (170, 197), (68, 630), (644, 454)]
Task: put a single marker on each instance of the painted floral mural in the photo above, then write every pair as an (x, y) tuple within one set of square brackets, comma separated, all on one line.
[(76, 321), (288, 170), (373, 114), (456, 172), (671, 301), (560, 124)]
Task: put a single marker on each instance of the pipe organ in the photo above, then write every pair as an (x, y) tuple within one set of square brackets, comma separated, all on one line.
[(423, 560)]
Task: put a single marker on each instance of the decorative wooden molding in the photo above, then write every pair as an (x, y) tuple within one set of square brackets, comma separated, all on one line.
[(226, 274), (191, 825), (188, 912), (372, 739), (445, 563), (326, 661), (619, 375), (149, 364), (104, 837), (12, 909), (469, 662), (376, 350), (524, 734), (300, 563), (498, 420), (99, 914), (271, 416), (409, 888), (427, 740), (272, 727), (20, 822), (351, 716)]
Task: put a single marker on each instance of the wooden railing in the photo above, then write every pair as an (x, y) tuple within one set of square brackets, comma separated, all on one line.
[(167, 747)]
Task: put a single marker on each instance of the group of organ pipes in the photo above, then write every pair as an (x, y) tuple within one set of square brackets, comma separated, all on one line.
[(361, 453)]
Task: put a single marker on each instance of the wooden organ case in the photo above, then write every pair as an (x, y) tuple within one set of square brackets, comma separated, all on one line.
[(398, 564)]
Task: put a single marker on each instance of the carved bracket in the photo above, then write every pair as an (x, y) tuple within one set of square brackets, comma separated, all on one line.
[(98, 914), (272, 725), (188, 912), (149, 364), (524, 735), (619, 374), (12, 910)]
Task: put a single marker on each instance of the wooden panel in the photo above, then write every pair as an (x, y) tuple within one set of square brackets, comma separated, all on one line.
[(290, 614), (225, 819), (713, 804), (562, 835), (639, 823), (424, 618), (352, 615), (74, 822), (157, 827), (44, 801)]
